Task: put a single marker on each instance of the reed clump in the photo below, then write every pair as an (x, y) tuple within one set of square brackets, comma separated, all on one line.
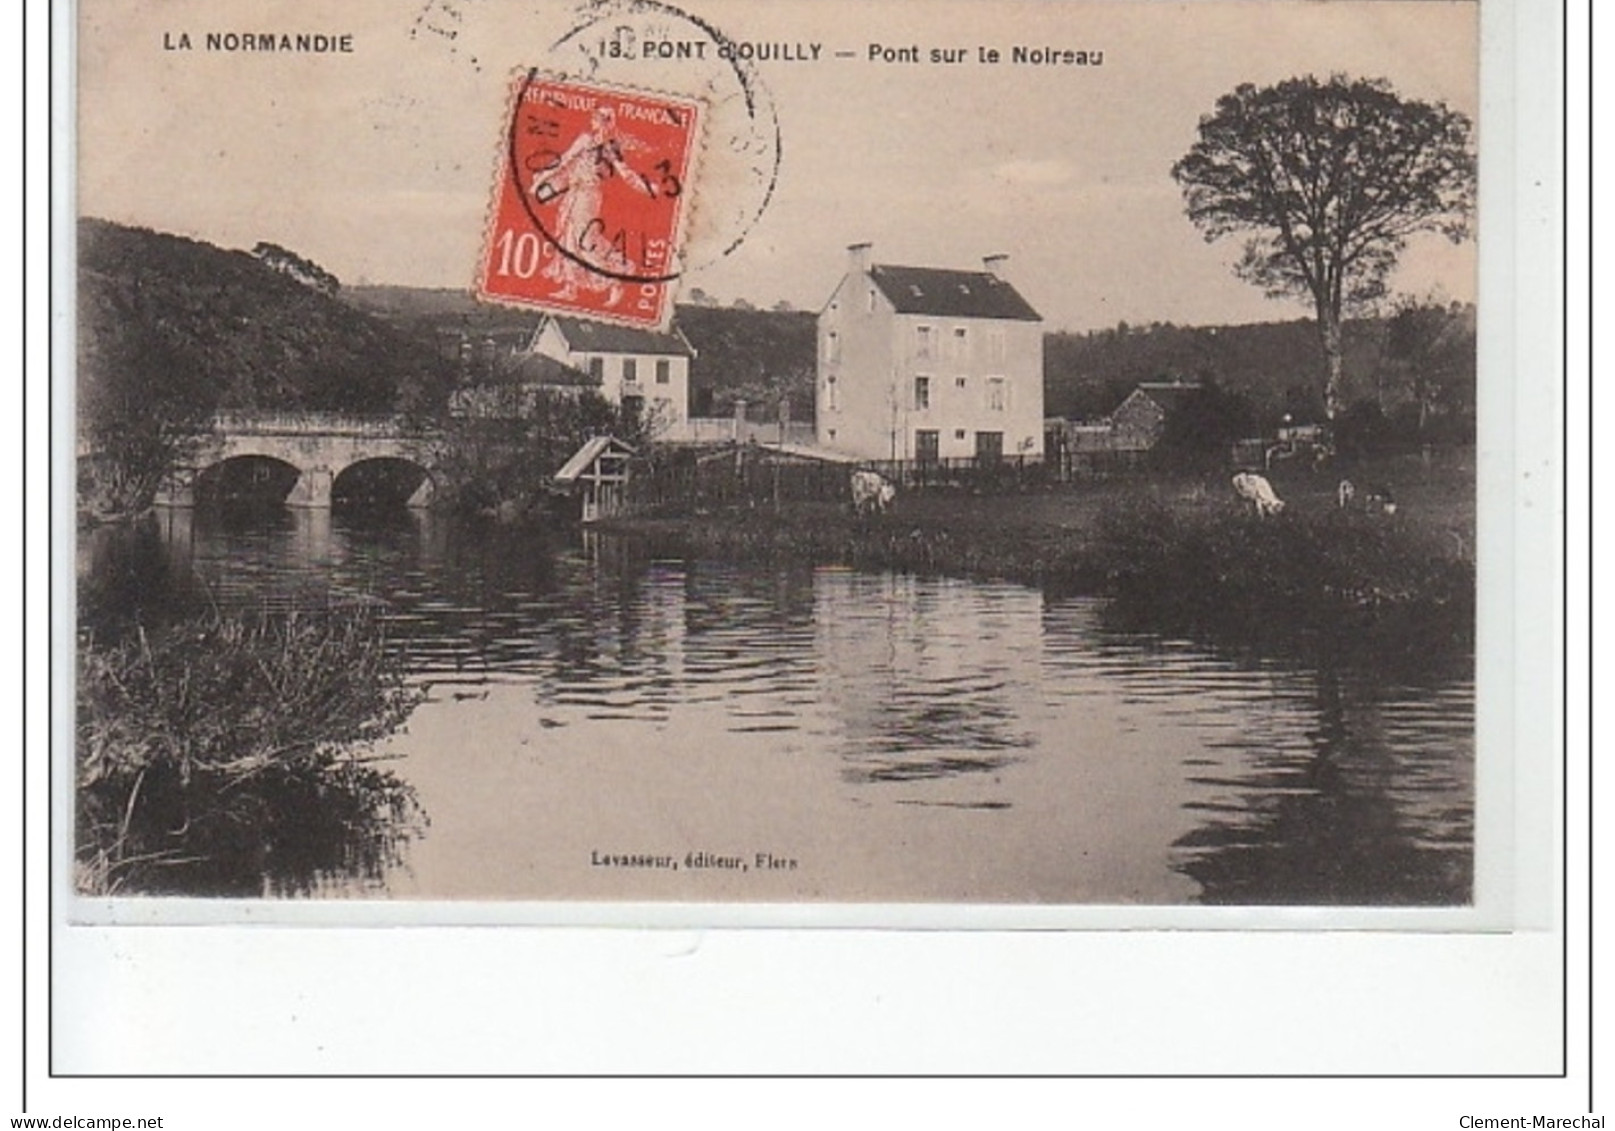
[(223, 753), (1341, 582)]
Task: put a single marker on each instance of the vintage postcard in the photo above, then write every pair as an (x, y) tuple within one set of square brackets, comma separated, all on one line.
[(910, 455)]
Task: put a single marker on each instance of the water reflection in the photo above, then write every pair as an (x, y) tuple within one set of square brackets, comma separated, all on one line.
[(1374, 809), (913, 738), (925, 677), (1306, 787)]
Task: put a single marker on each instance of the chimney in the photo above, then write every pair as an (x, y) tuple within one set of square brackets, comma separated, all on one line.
[(858, 256), (995, 265)]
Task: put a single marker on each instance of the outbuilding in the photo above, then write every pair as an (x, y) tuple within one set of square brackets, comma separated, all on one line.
[(599, 471)]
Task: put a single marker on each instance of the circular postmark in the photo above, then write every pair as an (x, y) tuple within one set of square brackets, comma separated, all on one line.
[(641, 145), (600, 174), (651, 45)]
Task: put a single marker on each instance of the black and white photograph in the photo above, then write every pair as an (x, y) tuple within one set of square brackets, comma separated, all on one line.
[(1054, 483)]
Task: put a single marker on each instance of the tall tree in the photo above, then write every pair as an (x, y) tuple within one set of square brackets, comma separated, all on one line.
[(1331, 179), (144, 403)]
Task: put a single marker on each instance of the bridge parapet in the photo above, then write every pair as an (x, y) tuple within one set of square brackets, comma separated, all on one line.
[(383, 426)]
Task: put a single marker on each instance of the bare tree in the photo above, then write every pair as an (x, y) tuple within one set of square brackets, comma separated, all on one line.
[(1332, 178)]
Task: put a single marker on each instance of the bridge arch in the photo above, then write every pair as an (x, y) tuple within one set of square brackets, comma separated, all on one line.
[(320, 446), (246, 476), (385, 479)]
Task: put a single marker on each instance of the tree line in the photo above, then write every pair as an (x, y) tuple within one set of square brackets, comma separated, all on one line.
[(1412, 368)]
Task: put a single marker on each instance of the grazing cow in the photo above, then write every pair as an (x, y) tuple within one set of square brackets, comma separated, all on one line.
[(1256, 489), (871, 492), (1346, 493), (1379, 498)]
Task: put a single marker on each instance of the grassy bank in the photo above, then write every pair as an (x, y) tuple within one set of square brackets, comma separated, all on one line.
[(217, 751), (1178, 555)]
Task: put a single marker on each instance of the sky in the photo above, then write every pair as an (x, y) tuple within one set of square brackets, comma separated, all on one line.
[(379, 163)]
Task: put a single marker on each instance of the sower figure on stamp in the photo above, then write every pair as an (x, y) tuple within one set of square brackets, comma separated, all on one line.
[(579, 177)]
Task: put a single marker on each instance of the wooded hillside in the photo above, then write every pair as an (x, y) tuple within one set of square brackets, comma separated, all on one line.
[(1272, 364), (248, 333), (758, 355), (755, 355)]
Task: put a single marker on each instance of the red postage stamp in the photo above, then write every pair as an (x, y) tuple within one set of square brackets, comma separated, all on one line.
[(591, 203)]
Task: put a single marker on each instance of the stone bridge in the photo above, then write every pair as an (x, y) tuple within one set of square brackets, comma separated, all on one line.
[(319, 446)]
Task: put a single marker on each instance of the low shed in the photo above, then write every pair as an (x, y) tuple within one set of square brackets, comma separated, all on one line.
[(600, 471)]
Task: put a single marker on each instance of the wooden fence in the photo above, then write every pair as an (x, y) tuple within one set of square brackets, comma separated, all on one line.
[(742, 475), (680, 480), (1005, 473)]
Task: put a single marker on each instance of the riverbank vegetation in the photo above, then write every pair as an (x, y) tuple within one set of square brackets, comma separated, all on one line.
[(1178, 554), (220, 754), (500, 462)]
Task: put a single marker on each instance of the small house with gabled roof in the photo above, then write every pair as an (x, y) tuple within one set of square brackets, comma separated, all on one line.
[(926, 363), (645, 369), (1137, 423)]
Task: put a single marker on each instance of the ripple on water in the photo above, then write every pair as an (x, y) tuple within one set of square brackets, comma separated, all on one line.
[(872, 712)]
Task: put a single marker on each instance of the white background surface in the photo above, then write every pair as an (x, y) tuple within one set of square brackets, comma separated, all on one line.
[(537, 1000)]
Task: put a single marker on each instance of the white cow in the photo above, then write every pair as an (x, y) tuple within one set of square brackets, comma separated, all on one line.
[(1256, 489), (1380, 498), (871, 492)]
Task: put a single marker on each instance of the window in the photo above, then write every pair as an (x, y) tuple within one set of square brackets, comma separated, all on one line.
[(664, 371), (961, 343), (630, 370), (961, 382), (922, 341), (832, 395), (597, 369), (958, 433), (871, 300), (927, 445), (922, 393), (995, 394), (832, 346)]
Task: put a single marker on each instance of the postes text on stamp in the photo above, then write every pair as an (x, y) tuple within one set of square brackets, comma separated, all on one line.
[(592, 200)]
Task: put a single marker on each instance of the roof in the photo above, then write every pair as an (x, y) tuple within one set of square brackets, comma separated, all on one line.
[(805, 452), (1168, 394), (586, 455), (540, 369), (604, 337), (951, 294)]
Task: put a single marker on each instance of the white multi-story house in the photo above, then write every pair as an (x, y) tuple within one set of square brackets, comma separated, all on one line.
[(923, 363), (644, 369)]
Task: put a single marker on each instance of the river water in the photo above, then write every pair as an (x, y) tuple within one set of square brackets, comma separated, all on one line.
[(594, 716)]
